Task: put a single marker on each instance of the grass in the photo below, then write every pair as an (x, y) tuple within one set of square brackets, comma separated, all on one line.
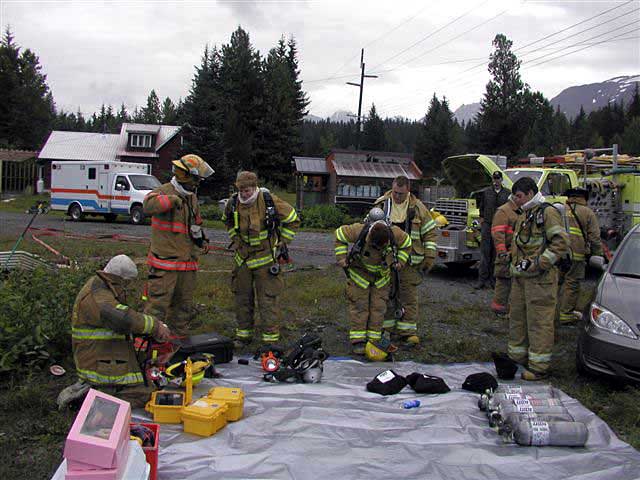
[(456, 327)]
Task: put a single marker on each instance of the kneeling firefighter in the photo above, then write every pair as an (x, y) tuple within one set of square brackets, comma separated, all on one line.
[(377, 248), (260, 226), (177, 240), (101, 329)]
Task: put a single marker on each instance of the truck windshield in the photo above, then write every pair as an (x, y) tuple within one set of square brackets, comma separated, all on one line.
[(144, 182), (518, 174)]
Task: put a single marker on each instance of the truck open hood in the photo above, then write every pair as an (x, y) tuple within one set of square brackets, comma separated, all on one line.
[(470, 173)]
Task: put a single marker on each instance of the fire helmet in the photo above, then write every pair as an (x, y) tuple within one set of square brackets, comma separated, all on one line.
[(176, 372), (191, 169), (374, 215), (373, 353)]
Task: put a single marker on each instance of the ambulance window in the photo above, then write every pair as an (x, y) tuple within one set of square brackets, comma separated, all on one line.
[(92, 174), (122, 183), (556, 184)]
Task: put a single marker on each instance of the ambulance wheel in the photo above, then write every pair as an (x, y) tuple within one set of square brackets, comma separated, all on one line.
[(75, 212), (110, 217), (137, 215)]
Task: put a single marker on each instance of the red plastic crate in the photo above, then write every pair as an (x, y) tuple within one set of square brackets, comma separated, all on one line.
[(151, 453)]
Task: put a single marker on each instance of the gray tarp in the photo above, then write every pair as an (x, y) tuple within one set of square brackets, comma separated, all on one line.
[(337, 430)]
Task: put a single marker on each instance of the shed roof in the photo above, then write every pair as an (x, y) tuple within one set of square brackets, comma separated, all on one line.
[(9, 155), (311, 165), (345, 168), (80, 146)]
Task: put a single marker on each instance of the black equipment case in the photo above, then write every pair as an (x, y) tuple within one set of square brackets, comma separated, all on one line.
[(220, 346)]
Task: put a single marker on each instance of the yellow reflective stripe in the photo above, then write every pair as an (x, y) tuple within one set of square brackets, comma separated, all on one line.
[(287, 233), (383, 281), (535, 241), (126, 379), (388, 324), (540, 357), (270, 337), (372, 268), (516, 351), (578, 256), (551, 256), (120, 306), (406, 243), (241, 333), (95, 334), (554, 230), (291, 217), (374, 334), (238, 259), (415, 235), (427, 227), (430, 246), (148, 323), (358, 279), (224, 216), (575, 231), (341, 250), (236, 220), (416, 259), (144, 298), (232, 232), (403, 256), (340, 235), (357, 334), (406, 326), (259, 262)]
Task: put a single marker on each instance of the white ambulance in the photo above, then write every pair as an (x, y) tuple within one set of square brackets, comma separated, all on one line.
[(108, 189)]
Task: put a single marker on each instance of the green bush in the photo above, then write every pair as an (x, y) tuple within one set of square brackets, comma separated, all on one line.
[(211, 211), (35, 319), (324, 216)]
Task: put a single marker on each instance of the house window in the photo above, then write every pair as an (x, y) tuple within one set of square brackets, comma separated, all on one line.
[(140, 141), (92, 174)]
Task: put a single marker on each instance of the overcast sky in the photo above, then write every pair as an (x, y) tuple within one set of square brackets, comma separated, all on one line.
[(111, 52)]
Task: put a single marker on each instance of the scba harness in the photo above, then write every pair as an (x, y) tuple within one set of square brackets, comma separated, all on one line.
[(303, 364), (272, 224)]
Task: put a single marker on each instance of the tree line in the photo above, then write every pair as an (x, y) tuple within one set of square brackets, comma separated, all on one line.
[(246, 110)]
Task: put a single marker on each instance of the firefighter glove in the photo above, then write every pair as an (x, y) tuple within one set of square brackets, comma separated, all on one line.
[(162, 332)]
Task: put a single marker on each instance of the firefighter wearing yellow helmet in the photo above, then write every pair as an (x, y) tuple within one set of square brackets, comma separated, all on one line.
[(177, 240)]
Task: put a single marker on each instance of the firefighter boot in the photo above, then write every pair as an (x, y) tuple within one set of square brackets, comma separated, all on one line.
[(533, 376)]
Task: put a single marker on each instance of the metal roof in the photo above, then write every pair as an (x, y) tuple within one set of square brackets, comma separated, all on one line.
[(345, 168), (311, 165), (80, 146), (164, 134)]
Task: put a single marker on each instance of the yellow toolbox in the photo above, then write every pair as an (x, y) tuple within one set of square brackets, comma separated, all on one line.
[(234, 397), (204, 417), (166, 406)]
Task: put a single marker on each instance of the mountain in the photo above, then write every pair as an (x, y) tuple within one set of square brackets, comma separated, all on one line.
[(342, 116), (464, 113), (312, 118), (594, 96)]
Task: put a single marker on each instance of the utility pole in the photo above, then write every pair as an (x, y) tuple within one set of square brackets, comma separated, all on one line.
[(361, 86)]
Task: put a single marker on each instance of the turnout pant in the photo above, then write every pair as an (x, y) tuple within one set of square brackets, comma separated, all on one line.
[(410, 279), (531, 323), (366, 307), (257, 286), (136, 395), (487, 253), (570, 289), (500, 302), (170, 298)]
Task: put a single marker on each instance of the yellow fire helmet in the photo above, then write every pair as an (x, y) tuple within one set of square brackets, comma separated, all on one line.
[(374, 354), (191, 167), (440, 219), (200, 363)]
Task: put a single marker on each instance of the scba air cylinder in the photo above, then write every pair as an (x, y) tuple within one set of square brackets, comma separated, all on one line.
[(486, 403), (514, 418), (558, 434)]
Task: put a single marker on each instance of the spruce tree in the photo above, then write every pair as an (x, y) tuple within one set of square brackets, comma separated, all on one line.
[(438, 138), (27, 110), (373, 134), (152, 113), (634, 106), (631, 137), (168, 112)]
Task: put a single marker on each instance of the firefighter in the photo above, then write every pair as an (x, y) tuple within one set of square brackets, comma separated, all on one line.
[(260, 226), (377, 248), (101, 329), (539, 243), (490, 199), (408, 213), (502, 227), (584, 233), (177, 240)]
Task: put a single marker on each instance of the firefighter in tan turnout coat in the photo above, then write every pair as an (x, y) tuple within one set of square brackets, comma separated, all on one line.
[(409, 214), (259, 225), (101, 325), (177, 240), (368, 268), (502, 227), (584, 233), (539, 243)]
